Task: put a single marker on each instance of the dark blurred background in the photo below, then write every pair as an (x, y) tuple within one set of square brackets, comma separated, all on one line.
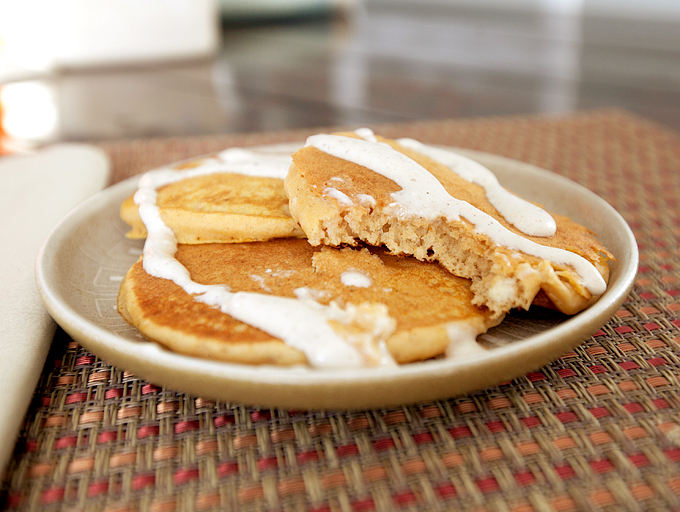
[(206, 66)]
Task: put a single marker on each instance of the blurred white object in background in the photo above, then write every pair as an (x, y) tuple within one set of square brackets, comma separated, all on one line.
[(27, 31), (29, 110), (122, 31), (41, 35)]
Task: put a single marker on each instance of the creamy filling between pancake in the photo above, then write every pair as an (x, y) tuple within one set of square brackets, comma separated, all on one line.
[(423, 196)]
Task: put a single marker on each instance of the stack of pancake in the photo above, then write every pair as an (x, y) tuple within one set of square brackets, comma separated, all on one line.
[(333, 232)]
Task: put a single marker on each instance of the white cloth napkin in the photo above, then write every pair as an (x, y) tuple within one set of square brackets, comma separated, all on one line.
[(36, 192)]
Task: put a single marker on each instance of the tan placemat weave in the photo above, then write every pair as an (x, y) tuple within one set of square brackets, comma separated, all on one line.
[(597, 429)]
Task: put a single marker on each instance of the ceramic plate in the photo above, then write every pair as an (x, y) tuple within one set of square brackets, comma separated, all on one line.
[(82, 262)]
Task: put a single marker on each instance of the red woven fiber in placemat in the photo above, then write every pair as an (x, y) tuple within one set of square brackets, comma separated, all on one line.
[(597, 429)]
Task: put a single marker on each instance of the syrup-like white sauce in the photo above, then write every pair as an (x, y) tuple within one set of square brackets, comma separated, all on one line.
[(462, 341), (422, 196), (305, 293), (366, 200), (260, 280), (525, 216), (280, 273), (338, 196), (366, 134), (375, 324), (233, 160), (254, 163), (356, 278), (302, 323)]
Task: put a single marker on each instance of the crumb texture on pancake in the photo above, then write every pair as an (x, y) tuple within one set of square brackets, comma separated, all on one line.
[(423, 299), (224, 207), (339, 202)]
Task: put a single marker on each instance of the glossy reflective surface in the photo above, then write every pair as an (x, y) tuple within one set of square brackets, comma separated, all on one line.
[(381, 61)]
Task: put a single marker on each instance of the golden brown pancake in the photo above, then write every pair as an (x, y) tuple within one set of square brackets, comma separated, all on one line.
[(223, 207), (428, 303), (503, 278)]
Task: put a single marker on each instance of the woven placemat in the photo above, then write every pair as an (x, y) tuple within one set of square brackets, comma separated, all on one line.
[(599, 429)]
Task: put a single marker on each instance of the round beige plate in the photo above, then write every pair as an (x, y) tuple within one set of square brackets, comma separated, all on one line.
[(84, 259)]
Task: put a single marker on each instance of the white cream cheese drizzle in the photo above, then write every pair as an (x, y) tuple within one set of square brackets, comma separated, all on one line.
[(422, 196), (261, 281), (255, 163), (525, 216), (356, 278), (301, 323), (366, 134), (233, 160), (462, 340), (366, 200), (338, 196)]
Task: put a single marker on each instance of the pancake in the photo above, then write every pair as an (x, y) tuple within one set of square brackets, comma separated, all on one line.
[(212, 205), (435, 214), (417, 310), (388, 274)]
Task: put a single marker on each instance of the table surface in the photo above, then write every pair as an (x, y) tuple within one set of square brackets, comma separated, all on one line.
[(598, 429), (449, 59)]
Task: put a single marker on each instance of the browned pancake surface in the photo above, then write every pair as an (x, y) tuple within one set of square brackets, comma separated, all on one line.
[(421, 297), (224, 207)]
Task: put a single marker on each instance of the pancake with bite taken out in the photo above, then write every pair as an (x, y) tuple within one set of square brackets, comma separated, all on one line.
[(341, 192)]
